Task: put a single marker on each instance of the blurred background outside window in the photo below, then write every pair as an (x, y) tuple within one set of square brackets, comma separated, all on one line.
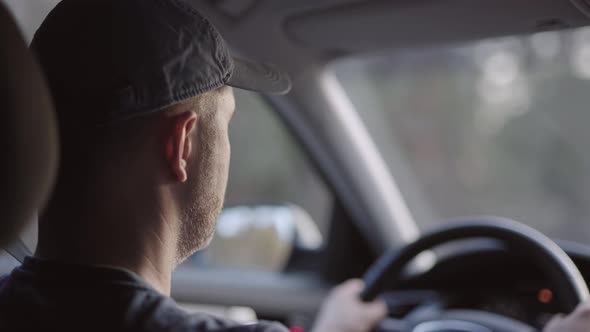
[(494, 127)]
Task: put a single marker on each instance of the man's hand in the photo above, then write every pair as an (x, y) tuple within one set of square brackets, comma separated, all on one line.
[(578, 321), (343, 310)]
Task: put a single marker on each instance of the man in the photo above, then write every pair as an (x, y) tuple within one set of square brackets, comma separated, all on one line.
[(143, 97)]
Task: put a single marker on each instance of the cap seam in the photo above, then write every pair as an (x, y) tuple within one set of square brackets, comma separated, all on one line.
[(226, 61), (183, 5), (229, 64)]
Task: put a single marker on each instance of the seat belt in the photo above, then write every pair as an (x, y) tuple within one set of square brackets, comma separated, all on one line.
[(18, 249)]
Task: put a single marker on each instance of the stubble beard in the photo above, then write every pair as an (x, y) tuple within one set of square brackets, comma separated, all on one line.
[(199, 219)]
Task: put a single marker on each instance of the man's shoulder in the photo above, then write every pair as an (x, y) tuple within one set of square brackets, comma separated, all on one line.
[(170, 317), (109, 300), (149, 311), (209, 323)]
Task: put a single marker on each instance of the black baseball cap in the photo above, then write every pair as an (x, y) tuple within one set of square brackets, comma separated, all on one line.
[(115, 59)]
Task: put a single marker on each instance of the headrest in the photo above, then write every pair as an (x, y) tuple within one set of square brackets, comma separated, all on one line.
[(28, 132)]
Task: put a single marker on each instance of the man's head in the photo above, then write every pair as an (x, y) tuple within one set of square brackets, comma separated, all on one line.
[(172, 163), (141, 89), (186, 153)]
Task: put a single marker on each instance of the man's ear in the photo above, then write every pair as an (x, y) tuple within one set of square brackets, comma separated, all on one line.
[(178, 144)]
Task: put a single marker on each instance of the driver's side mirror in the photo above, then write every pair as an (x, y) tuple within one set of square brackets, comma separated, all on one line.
[(261, 237)]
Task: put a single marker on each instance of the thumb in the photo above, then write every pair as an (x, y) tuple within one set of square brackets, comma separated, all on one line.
[(554, 323), (375, 311)]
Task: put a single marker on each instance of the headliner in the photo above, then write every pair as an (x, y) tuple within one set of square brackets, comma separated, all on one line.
[(300, 33)]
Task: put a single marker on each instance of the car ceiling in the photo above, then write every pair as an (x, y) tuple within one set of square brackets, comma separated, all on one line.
[(297, 34)]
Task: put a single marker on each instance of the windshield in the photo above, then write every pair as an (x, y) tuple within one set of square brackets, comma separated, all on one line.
[(496, 127)]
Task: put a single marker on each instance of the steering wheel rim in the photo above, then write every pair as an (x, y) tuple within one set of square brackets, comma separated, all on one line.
[(570, 286)]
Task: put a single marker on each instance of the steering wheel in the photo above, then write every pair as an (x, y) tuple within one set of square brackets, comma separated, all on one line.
[(570, 287)]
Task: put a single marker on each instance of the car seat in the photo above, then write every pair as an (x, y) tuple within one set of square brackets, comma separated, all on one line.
[(28, 133)]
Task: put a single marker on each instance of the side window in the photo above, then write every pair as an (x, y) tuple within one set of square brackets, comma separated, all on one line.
[(275, 199)]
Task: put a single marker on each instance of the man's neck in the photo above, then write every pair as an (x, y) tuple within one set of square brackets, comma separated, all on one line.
[(144, 245)]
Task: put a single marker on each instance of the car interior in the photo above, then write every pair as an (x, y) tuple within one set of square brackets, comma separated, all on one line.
[(318, 195), (31, 147)]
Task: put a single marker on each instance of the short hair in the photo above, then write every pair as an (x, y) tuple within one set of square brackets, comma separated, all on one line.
[(97, 145)]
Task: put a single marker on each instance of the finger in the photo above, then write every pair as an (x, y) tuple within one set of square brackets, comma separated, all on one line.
[(354, 285), (375, 311), (582, 310), (554, 322)]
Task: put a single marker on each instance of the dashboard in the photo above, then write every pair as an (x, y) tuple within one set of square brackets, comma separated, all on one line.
[(483, 275)]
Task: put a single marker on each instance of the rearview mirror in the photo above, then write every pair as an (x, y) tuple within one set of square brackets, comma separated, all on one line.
[(261, 237)]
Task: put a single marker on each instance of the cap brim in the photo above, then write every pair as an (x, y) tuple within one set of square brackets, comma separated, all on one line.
[(259, 77)]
